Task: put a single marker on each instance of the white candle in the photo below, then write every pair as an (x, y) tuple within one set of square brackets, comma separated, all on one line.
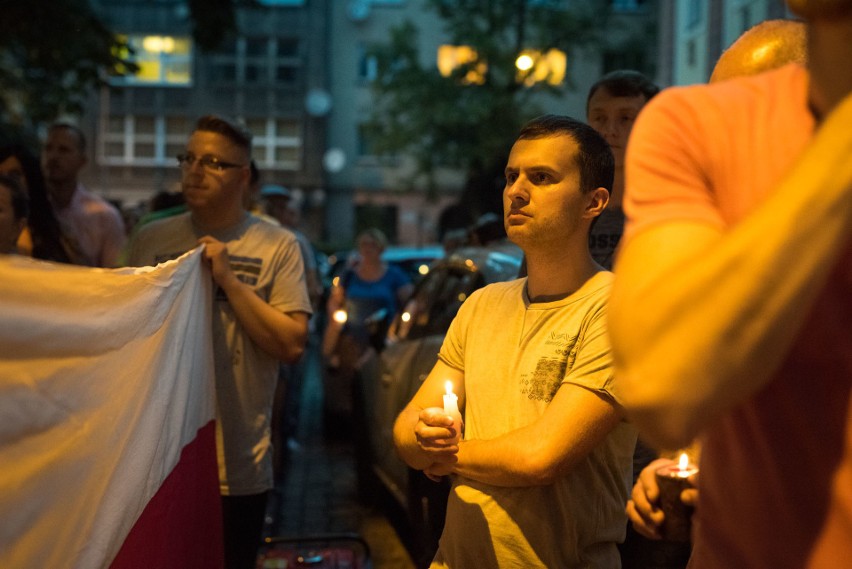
[(451, 408)]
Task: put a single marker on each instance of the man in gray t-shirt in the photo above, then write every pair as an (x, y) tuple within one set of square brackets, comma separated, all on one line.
[(260, 315)]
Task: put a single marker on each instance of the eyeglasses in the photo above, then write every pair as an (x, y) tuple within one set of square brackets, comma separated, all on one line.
[(208, 162)]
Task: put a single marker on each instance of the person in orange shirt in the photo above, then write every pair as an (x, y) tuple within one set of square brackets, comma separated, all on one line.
[(733, 281)]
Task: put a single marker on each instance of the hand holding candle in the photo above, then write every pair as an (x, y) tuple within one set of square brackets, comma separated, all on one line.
[(672, 480), (451, 408)]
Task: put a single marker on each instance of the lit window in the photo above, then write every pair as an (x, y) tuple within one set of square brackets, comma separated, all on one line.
[(451, 57), (162, 60)]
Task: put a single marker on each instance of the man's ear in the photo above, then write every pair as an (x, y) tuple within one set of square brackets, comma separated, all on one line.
[(598, 200)]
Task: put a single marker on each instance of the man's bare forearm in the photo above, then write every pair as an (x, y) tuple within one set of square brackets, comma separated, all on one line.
[(698, 327), (281, 335)]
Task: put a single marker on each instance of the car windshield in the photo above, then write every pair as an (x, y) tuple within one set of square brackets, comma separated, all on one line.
[(435, 301)]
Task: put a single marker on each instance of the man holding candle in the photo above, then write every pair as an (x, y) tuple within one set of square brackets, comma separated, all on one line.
[(542, 472), (731, 308), (768, 45)]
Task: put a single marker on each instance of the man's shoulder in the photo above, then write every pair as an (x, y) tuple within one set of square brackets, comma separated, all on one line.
[(163, 224), (598, 285), (161, 239), (93, 203), (259, 230), (591, 299), (737, 92), (499, 291)]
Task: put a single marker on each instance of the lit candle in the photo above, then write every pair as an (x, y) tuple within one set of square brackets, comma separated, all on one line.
[(673, 480), (340, 316), (451, 408)]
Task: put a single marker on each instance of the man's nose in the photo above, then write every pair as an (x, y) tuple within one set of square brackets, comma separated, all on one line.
[(518, 190), (609, 129)]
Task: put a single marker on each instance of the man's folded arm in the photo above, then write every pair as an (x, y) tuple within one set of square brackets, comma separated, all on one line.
[(574, 423)]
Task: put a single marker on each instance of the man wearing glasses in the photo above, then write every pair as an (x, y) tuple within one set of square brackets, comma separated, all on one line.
[(260, 315)]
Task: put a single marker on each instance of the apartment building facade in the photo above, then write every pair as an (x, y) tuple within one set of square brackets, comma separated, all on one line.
[(298, 73)]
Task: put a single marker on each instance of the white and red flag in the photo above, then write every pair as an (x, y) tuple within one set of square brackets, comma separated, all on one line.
[(107, 402)]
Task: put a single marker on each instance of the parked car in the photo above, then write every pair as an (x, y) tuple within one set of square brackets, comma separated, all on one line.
[(364, 329), (387, 379)]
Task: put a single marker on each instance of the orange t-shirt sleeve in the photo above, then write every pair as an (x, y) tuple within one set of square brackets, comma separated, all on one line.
[(667, 162)]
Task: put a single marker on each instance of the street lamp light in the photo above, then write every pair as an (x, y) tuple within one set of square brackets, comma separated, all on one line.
[(533, 66)]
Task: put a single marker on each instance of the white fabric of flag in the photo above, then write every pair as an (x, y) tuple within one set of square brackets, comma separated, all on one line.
[(105, 375)]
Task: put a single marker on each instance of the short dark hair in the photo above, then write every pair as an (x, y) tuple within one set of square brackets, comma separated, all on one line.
[(81, 138), (624, 83), (20, 200), (230, 129), (594, 158)]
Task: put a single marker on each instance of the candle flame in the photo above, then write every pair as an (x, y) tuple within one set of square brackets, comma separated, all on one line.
[(449, 387), (683, 462), (340, 316)]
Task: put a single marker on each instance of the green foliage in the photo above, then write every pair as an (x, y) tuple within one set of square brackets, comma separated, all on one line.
[(448, 121), (52, 53)]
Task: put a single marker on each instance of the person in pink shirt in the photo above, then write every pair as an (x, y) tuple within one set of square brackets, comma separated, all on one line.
[(92, 227), (730, 309)]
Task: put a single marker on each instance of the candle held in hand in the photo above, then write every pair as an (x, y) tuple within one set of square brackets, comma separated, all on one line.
[(451, 408), (672, 480)]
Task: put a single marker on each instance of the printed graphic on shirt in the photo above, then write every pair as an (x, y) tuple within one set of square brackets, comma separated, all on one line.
[(549, 372), (246, 269)]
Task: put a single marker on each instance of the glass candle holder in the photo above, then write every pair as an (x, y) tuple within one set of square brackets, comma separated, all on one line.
[(672, 480)]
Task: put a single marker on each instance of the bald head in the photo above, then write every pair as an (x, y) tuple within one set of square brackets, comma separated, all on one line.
[(766, 46)]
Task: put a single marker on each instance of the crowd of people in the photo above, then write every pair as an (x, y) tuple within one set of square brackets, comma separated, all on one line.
[(723, 326)]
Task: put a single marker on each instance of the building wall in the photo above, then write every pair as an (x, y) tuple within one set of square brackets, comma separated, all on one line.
[(261, 76), (318, 46)]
